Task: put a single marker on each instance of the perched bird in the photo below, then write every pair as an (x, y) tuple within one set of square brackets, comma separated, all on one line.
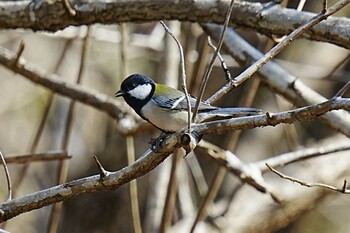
[(166, 107)]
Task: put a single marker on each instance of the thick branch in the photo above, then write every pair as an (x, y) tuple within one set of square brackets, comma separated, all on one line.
[(152, 159), (112, 180), (53, 16)]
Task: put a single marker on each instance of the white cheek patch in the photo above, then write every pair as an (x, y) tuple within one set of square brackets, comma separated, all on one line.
[(141, 92)]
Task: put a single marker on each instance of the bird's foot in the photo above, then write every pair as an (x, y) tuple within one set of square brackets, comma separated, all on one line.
[(157, 142)]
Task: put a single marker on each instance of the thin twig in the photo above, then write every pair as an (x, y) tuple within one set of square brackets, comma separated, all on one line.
[(69, 7), (278, 79), (223, 63), (197, 174), (269, 119), (301, 5), (130, 148), (44, 116), (299, 8), (232, 142), (300, 155), (342, 62), (8, 179), (213, 190), (37, 157), (199, 69), (310, 185), (211, 64), (170, 199), (324, 5), (123, 53), (248, 174), (56, 84), (63, 165), (183, 73), (276, 50), (343, 90)]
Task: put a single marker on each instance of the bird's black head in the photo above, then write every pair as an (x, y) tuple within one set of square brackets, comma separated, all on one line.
[(137, 90)]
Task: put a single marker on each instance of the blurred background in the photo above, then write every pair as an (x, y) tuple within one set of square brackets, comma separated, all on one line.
[(111, 53)]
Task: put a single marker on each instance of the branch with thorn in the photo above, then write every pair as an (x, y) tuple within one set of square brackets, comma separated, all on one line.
[(152, 158)]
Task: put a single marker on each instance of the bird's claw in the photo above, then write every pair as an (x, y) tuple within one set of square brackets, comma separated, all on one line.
[(157, 142)]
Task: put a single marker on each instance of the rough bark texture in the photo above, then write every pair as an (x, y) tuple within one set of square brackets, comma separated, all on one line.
[(53, 16)]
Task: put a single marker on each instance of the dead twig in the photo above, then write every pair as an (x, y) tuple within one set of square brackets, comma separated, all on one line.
[(343, 90), (183, 73), (37, 157), (8, 179), (300, 155), (277, 49), (223, 63), (63, 164), (310, 185), (211, 63), (279, 79)]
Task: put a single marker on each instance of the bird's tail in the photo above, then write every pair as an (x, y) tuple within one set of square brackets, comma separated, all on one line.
[(228, 113)]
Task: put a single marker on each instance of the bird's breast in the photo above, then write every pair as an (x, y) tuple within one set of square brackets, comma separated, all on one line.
[(164, 119)]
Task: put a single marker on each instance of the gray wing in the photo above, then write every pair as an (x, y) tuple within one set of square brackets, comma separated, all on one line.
[(177, 101)]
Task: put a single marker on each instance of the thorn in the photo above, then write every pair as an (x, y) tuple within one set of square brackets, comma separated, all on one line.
[(19, 53), (270, 118), (292, 84), (344, 186), (101, 170)]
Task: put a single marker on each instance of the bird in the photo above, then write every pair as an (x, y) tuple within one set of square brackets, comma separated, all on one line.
[(166, 107)]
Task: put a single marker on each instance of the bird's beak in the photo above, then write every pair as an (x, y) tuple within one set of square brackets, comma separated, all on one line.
[(119, 93)]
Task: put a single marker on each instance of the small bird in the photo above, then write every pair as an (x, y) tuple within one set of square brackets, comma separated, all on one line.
[(166, 107)]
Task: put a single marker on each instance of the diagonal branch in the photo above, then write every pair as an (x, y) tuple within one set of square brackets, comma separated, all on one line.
[(303, 154), (310, 185), (246, 173), (256, 66), (152, 159), (278, 79)]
